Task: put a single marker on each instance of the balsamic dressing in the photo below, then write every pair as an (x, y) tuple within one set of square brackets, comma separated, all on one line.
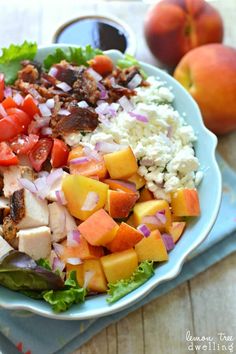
[(99, 33)]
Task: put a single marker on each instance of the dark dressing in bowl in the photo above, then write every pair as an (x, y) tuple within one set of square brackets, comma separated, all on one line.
[(99, 32)]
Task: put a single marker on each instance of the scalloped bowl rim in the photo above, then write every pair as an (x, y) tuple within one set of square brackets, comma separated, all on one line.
[(38, 307)]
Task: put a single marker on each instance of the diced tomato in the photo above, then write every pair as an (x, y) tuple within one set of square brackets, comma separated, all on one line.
[(59, 154), (23, 144), (102, 64), (9, 103), (29, 106), (23, 118), (40, 152), (7, 157), (2, 87), (8, 128), (14, 123)]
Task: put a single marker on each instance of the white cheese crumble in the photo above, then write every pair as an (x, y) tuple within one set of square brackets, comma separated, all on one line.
[(163, 146)]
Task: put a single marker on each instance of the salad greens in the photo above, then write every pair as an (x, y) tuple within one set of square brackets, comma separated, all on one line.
[(12, 56), (129, 61), (18, 271), (62, 300), (123, 287), (78, 56)]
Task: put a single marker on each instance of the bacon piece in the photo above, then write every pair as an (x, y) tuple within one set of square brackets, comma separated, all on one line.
[(80, 119)]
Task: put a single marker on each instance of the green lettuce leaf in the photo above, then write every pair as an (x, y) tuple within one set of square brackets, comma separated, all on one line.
[(127, 61), (62, 300), (44, 263), (123, 287), (12, 56), (78, 56)]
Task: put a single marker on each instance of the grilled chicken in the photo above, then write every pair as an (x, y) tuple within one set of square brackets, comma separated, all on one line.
[(4, 247), (11, 176), (60, 222), (9, 231), (4, 208), (36, 242), (57, 186), (27, 211)]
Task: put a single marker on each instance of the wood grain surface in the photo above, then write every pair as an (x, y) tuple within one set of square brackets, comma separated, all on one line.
[(205, 305)]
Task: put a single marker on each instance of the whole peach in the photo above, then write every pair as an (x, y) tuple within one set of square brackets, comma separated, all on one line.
[(173, 27), (209, 74)]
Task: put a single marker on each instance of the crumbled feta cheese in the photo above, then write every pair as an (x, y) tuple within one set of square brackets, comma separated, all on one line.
[(163, 146)]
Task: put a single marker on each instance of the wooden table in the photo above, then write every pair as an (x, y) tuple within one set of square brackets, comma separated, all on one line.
[(206, 304)]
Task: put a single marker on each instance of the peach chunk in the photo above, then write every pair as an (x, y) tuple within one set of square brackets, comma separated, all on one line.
[(185, 202), (145, 195), (119, 204), (150, 208), (121, 164), (90, 168), (119, 265), (130, 220), (119, 185), (152, 248), (77, 188), (138, 180), (99, 229), (126, 237), (96, 278), (84, 250), (177, 229)]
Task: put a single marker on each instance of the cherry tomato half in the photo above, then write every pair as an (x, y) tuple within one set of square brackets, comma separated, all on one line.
[(29, 106), (9, 103), (102, 64), (23, 144), (59, 154), (40, 152), (7, 157), (13, 124)]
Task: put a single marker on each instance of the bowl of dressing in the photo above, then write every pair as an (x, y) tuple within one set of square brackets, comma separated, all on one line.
[(100, 32)]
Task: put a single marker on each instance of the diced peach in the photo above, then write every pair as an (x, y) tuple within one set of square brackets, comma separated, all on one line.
[(185, 202), (97, 281), (119, 204), (84, 250), (119, 265), (138, 180), (176, 230), (130, 220), (91, 168), (151, 248), (126, 238), (150, 208), (99, 229), (119, 185), (145, 195), (121, 164), (76, 189)]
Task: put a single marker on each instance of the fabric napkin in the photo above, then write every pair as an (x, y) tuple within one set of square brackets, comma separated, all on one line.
[(28, 333)]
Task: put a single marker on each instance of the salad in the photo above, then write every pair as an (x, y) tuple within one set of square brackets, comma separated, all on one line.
[(98, 174)]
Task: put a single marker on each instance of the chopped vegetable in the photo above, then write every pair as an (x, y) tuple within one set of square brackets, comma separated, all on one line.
[(123, 287), (62, 300), (7, 157), (18, 271), (12, 56)]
